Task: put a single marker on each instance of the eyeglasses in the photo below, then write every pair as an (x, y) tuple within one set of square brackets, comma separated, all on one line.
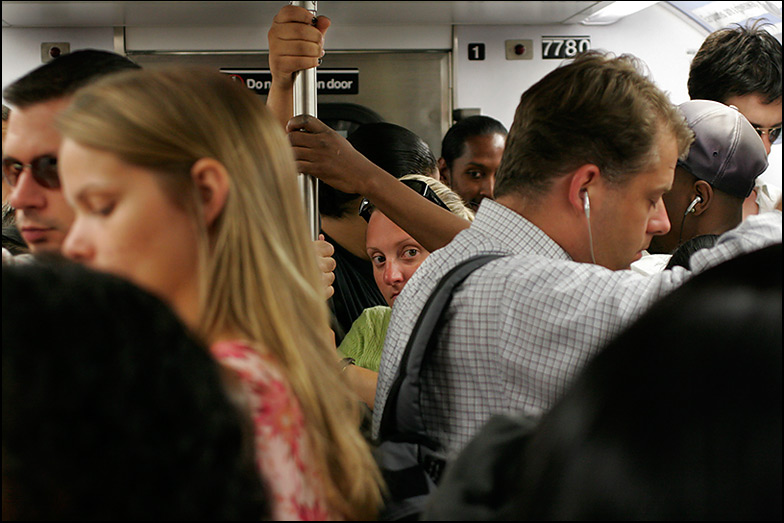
[(366, 208), (772, 132), (43, 169)]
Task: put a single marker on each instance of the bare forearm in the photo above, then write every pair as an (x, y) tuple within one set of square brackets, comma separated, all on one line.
[(429, 224), (280, 102), (363, 382), (321, 152), (296, 42)]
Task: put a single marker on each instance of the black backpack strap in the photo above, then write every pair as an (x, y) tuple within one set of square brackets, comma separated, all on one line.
[(402, 411)]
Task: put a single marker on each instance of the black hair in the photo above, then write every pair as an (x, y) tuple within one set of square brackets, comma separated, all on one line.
[(392, 147), (682, 255), (112, 408), (736, 62), (679, 417), (453, 144), (64, 75)]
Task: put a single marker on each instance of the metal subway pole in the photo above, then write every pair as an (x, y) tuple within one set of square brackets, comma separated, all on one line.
[(305, 103)]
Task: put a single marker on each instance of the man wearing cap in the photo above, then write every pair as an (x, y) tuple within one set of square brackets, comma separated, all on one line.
[(741, 66), (712, 182)]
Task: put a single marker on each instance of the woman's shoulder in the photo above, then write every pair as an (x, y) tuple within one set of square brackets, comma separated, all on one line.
[(282, 447), (251, 363)]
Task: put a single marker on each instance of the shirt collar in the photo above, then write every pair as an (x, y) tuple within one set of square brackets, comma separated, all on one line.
[(515, 234)]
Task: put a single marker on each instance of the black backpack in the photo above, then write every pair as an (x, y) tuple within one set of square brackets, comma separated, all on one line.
[(410, 461)]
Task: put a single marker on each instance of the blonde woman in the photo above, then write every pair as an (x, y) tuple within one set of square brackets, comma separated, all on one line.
[(183, 182), (395, 256)]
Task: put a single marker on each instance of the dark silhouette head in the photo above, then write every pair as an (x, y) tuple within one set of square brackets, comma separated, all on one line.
[(679, 417), (112, 409)]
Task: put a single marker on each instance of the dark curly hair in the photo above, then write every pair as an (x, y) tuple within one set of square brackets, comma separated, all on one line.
[(112, 409), (735, 62)]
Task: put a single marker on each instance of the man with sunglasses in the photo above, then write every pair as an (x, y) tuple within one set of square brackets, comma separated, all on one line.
[(741, 66), (30, 152)]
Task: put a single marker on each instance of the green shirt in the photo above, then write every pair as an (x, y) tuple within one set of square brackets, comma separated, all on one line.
[(365, 339)]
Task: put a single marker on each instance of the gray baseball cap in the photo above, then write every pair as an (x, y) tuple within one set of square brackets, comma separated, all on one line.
[(727, 152)]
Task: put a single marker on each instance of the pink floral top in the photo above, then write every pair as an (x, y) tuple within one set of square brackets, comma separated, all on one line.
[(282, 451)]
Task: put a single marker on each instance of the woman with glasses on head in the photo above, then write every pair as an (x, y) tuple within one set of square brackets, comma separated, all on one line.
[(395, 256), (183, 182)]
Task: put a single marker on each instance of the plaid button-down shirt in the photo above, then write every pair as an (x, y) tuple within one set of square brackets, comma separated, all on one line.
[(521, 327)]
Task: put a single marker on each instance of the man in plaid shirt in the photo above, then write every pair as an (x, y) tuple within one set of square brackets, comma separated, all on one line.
[(578, 197)]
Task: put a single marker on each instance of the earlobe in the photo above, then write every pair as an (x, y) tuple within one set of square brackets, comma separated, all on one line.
[(212, 182), (703, 196), (582, 179)]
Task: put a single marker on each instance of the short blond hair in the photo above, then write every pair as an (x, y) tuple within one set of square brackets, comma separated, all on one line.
[(598, 109), (450, 198)]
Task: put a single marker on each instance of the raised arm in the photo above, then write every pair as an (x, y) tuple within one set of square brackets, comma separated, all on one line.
[(323, 153), (296, 42)]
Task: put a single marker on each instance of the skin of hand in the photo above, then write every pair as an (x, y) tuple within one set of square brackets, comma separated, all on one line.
[(321, 152), (363, 382), (326, 263), (296, 42)]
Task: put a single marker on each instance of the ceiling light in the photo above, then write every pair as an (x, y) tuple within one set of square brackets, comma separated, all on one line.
[(615, 11)]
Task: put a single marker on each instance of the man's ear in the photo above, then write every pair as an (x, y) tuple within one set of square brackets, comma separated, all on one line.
[(705, 191), (212, 181), (584, 178), (443, 171)]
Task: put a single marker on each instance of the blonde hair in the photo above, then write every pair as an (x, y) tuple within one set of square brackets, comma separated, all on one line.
[(450, 198), (260, 278)]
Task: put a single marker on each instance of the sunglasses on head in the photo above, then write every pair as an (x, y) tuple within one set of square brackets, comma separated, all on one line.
[(772, 132), (43, 168), (366, 208)]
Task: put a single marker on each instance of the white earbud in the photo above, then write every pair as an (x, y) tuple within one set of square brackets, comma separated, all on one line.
[(693, 204), (587, 209)]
